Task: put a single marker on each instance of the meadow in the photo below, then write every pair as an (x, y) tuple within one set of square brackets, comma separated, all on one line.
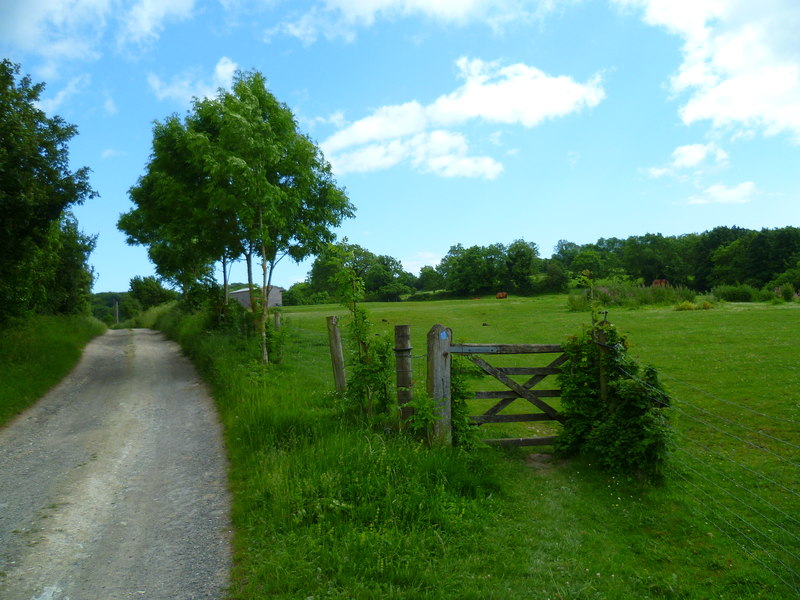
[(326, 506)]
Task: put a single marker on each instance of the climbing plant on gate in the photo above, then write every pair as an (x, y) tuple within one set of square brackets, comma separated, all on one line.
[(614, 409)]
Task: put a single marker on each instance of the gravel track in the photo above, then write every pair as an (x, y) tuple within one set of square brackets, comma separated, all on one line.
[(113, 486)]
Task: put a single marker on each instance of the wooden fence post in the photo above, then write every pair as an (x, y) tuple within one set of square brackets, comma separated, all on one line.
[(438, 383), (277, 320), (337, 356), (403, 370)]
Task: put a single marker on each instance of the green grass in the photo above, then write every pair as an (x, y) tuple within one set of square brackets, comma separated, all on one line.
[(328, 508), (35, 354)]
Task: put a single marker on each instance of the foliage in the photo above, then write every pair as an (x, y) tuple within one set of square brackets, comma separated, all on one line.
[(429, 280), (627, 429), (42, 253), (553, 281), (482, 269), (383, 277), (149, 292), (627, 294), (103, 306), (369, 383), (721, 256), (423, 416), (234, 178), (737, 293), (462, 372)]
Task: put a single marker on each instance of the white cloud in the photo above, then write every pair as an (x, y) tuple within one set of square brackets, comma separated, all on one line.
[(490, 93), (55, 30), (692, 156), (145, 20), (110, 106), (341, 18), (741, 61), (387, 122), (65, 30), (439, 152), (51, 105), (110, 153), (182, 88), (722, 194)]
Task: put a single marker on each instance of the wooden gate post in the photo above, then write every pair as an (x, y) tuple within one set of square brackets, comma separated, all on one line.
[(403, 370), (438, 383), (337, 356)]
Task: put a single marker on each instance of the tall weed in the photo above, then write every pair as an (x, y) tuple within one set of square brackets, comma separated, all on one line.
[(627, 295)]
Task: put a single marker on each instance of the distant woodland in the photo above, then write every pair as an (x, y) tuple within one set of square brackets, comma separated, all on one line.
[(724, 256)]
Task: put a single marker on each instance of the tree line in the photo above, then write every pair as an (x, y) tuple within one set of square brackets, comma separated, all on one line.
[(769, 258), (44, 255)]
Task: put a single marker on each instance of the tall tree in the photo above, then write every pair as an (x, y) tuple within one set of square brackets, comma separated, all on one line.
[(236, 177), (36, 183), (523, 261), (149, 292), (172, 215), (288, 200)]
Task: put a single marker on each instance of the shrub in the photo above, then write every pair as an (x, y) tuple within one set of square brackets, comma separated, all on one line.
[(686, 306), (627, 430), (736, 293), (786, 292)]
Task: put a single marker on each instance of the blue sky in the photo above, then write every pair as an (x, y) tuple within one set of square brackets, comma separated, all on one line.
[(451, 121)]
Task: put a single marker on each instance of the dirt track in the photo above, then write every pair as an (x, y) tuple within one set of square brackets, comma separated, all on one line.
[(113, 486)]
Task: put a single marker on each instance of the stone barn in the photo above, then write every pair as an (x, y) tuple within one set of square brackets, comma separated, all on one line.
[(242, 296)]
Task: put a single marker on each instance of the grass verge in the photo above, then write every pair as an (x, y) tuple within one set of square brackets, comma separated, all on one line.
[(326, 507), (37, 353)]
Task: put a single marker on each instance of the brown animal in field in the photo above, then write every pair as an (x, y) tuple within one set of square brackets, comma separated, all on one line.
[(501, 295), (660, 283)]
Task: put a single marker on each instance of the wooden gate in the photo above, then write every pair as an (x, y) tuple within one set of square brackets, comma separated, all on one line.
[(440, 350), (526, 391), (514, 390)]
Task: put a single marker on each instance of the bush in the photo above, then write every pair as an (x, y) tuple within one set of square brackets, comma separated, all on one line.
[(736, 293), (686, 306), (627, 431)]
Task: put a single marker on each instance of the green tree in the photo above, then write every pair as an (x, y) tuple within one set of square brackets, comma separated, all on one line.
[(474, 270), (149, 292), (522, 259), (173, 215), (564, 252), (382, 276), (429, 279), (36, 187), (241, 179), (589, 260)]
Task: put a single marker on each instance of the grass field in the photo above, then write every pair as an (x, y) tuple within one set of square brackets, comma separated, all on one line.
[(36, 354), (327, 508)]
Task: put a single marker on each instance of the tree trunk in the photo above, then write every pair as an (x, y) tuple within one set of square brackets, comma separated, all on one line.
[(265, 279), (248, 256), (224, 285)]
